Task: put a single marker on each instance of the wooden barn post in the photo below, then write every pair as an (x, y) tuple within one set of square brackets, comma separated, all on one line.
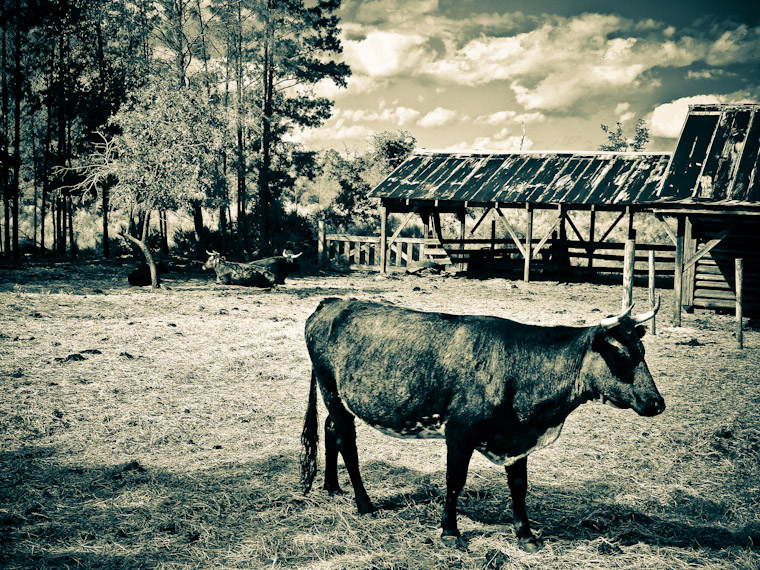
[(528, 243), (591, 236), (629, 263), (739, 307), (383, 238), (678, 277), (652, 275)]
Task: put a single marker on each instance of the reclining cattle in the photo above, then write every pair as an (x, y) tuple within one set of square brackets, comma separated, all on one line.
[(482, 383), (231, 273), (280, 265), (265, 272)]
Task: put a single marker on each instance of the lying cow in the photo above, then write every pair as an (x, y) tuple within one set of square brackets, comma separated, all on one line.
[(482, 383), (280, 265), (231, 273)]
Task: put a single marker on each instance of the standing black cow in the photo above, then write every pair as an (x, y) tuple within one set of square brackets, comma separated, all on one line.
[(280, 265), (486, 383)]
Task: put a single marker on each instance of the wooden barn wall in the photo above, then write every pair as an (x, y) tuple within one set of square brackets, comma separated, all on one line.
[(714, 284)]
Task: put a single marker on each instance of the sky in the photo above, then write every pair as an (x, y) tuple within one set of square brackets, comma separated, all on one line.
[(506, 75)]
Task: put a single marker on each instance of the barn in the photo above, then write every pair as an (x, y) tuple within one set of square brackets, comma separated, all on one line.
[(706, 194), (712, 190)]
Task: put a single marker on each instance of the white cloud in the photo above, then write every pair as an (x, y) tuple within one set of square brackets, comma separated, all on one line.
[(438, 117), (668, 119), (386, 54), (398, 116), (504, 117), (501, 141)]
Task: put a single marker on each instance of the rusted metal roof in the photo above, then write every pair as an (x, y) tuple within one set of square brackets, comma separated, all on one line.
[(717, 159), (599, 178)]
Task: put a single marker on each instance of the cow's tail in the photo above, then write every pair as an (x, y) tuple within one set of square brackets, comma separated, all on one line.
[(310, 439)]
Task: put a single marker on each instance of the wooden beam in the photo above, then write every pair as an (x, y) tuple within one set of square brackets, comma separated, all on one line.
[(678, 275), (669, 231), (528, 243), (629, 261), (652, 277), (689, 271), (591, 234), (511, 231), (480, 220), (383, 239), (548, 234), (739, 274), (577, 232), (612, 227), (709, 246), (402, 226)]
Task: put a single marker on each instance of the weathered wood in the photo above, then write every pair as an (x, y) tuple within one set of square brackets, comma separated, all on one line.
[(528, 243), (689, 249), (651, 288), (591, 234), (512, 232), (739, 270), (383, 239), (628, 268), (678, 277)]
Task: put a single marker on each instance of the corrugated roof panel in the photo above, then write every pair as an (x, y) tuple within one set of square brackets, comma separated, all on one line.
[(542, 178)]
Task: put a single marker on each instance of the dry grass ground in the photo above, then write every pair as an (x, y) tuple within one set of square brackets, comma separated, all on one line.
[(145, 429)]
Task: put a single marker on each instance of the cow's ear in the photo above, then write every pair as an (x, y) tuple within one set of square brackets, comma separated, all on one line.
[(641, 330)]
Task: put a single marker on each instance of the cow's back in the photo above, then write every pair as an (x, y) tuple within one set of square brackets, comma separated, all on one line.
[(395, 365)]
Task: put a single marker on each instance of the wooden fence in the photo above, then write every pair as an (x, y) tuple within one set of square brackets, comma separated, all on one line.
[(363, 252)]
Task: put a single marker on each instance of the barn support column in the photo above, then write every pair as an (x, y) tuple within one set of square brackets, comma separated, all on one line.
[(383, 238), (739, 275), (462, 215), (591, 236), (678, 276), (652, 275), (528, 243), (629, 263), (690, 271)]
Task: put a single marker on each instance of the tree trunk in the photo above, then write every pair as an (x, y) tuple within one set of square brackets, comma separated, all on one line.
[(16, 130), (72, 239), (148, 258), (200, 231), (4, 134), (104, 205)]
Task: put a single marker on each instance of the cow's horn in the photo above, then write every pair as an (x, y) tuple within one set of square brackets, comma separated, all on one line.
[(293, 256), (644, 317), (611, 322)]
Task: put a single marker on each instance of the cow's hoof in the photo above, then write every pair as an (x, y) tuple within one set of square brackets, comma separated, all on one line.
[(332, 492), (367, 509), (456, 542), (530, 544)]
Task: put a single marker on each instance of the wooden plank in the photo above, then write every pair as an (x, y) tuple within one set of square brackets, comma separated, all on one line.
[(651, 288), (402, 225), (511, 231), (709, 246), (739, 279), (628, 268), (528, 244), (547, 236), (678, 275)]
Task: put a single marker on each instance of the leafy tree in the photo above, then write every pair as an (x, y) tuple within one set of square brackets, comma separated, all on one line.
[(617, 141), (356, 176), (165, 156)]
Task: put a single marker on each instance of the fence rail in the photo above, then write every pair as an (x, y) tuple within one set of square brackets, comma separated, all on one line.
[(363, 252)]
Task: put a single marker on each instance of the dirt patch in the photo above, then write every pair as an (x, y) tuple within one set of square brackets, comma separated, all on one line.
[(161, 429)]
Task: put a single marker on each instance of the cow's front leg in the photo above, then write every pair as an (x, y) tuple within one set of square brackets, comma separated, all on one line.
[(517, 475), (458, 455)]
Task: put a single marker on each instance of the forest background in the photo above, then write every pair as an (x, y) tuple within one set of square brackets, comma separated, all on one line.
[(168, 121)]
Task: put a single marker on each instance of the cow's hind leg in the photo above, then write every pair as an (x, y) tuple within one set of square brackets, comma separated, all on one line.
[(331, 459), (345, 432), (517, 475), (458, 455)]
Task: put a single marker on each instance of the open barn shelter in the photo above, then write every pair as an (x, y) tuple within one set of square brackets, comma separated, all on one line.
[(712, 189), (706, 194), (430, 184)]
